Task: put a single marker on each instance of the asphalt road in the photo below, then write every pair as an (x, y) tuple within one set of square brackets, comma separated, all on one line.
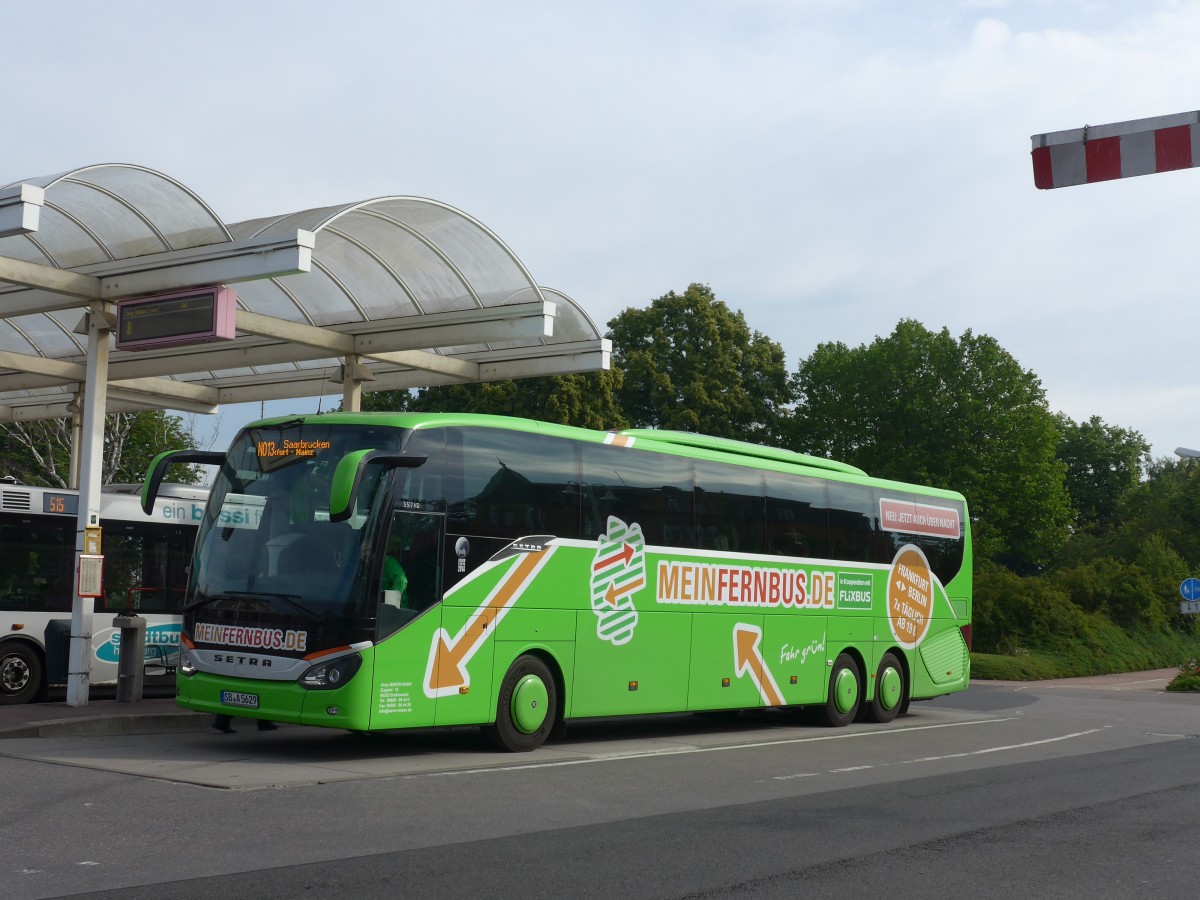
[(1063, 789)]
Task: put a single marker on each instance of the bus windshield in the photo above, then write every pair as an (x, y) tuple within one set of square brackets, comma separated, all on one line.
[(266, 541)]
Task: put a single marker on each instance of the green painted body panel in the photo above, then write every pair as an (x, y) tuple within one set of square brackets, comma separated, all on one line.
[(945, 658), (794, 647), (284, 701), (399, 700), (713, 682), (657, 660)]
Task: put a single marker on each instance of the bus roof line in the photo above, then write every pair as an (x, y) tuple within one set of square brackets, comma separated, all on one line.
[(740, 448)]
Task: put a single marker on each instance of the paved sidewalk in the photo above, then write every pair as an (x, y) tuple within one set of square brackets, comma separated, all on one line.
[(102, 716)]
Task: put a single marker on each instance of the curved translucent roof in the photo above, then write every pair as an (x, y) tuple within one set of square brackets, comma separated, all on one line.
[(395, 274)]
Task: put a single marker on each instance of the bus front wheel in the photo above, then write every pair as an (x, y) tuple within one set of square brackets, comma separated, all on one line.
[(527, 707), (845, 692), (20, 673)]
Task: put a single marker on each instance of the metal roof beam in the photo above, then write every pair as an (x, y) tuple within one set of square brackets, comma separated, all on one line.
[(166, 390), (67, 372), (518, 321), (450, 329), (60, 283), (20, 209), (295, 332), (555, 359), (61, 408), (141, 400), (228, 262), (431, 362), (39, 365)]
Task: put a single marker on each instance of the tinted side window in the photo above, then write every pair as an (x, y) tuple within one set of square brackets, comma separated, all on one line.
[(651, 489), (37, 559), (510, 483), (423, 488), (145, 566), (729, 508), (797, 516), (852, 518)]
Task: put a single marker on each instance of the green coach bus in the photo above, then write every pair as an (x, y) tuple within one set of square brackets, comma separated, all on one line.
[(377, 571)]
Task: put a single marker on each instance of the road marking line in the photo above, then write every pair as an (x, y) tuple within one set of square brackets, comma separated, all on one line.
[(907, 762), (1053, 740), (680, 751)]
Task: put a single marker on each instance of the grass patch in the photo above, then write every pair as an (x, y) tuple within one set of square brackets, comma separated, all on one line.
[(1105, 649)]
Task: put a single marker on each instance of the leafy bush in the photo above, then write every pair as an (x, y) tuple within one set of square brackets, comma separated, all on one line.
[(1188, 678), (1012, 613)]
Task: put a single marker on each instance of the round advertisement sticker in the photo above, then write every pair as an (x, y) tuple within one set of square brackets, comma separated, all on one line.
[(910, 596)]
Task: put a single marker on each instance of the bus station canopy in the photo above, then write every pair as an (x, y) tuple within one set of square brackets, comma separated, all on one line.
[(391, 293)]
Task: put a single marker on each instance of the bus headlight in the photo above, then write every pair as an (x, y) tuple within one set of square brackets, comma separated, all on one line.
[(327, 676), (187, 665)]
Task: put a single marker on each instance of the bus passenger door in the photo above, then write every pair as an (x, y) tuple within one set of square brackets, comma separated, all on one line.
[(408, 594)]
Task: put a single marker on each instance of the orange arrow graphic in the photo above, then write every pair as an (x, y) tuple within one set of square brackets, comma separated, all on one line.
[(614, 593), (448, 658), (747, 657), (623, 555)]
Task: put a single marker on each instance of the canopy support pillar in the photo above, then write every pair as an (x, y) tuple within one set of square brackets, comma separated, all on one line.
[(353, 374), (95, 397)]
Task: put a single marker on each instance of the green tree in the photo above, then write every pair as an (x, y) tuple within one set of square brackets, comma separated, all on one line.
[(960, 413), (39, 452), (583, 400), (1165, 505), (1104, 462), (692, 364)]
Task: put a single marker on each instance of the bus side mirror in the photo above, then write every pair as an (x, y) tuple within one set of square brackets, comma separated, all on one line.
[(159, 465), (347, 477)]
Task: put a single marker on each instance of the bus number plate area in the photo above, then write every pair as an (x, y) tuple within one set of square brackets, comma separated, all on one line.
[(237, 698)]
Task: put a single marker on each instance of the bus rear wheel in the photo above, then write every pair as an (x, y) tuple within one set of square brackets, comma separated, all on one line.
[(20, 673), (845, 692), (527, 707), (890, 690)]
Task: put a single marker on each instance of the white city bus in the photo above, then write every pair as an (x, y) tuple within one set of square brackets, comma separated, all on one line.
[(145, 570)]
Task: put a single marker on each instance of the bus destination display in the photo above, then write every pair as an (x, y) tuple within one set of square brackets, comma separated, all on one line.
[(187, 317), (61, 504)]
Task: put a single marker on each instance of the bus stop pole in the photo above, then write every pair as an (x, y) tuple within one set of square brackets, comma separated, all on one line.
[(95, 398)]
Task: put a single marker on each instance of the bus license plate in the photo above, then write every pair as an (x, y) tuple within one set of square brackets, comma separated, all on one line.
[(237, 698)]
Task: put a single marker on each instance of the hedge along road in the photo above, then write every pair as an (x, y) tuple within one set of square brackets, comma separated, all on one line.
[(1005, 786)]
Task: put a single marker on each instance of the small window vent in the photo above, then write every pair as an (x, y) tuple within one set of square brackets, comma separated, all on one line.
[(14, 500)]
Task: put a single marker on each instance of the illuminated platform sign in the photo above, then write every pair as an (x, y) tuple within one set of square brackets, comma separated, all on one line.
[(197, 316)]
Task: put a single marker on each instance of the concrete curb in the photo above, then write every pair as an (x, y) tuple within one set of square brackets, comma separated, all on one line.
[(94, 726)]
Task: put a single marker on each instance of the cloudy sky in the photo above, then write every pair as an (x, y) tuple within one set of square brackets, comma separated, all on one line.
[(827, 166)]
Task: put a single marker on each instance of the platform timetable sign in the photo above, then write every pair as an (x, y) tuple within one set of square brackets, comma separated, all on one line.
[(197, 316)]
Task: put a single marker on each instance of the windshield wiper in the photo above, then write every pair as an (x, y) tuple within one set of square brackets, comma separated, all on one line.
[(291, 600)]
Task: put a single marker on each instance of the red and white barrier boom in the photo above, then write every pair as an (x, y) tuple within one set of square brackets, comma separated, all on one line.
[(1120, 150)]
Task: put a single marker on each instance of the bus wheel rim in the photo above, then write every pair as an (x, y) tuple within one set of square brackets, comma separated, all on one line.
[(846, 691), (15, 674), (530, 704), (890, 683)]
